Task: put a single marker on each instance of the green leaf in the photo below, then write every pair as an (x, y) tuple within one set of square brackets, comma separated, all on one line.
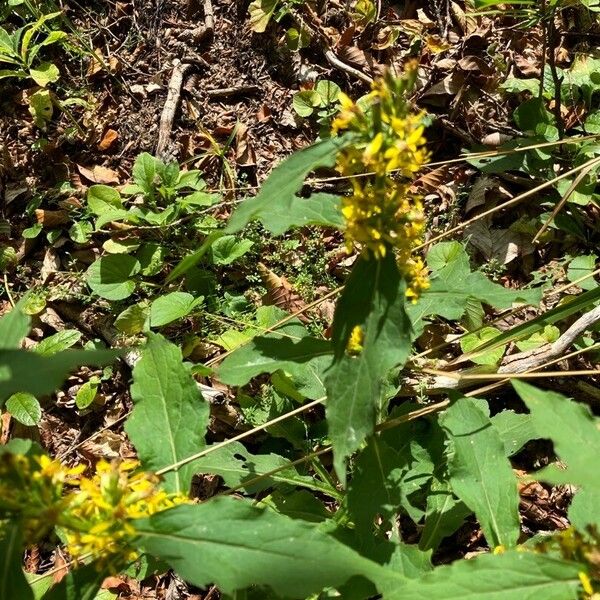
[(228, 249), (234, 545), (133, 319), (444, 514), (305, 102), (471, 342), (145, 171), (276, 206), (86, 394), (375, 486), (573, 431), (110, 276), (581, 266), (374, 300), (261, 12), (453, 283), (13, 584), (25, 408), (41, 107), (328, 90), (514, 429), (171, 307), (81, 231), (236, 465), (167, 402), (14, 326), (304, 360), (17, 366), (58, 342), (508, 576), (82, 583), (44, 74), (191, 260), (480, 474), (103, 198)]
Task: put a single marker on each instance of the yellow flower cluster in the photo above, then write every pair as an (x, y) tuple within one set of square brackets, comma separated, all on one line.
[(95, 513), (101, 510), (384, 151)]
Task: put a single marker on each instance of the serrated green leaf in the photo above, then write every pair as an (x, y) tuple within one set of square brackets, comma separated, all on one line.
[(514, 429), (374, 300), (234, 545), (171, 307), (13, 584), (453, 282), (110, 276), (581, 266), (509, 576), (277, 207), (167, 402), (573, 431), (480, 474), (145, 171), (58, 342), (25, 408), (229, 248), (375, 486)]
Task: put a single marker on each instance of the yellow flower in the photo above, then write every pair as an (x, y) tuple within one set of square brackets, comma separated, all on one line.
[(355, 342), (382, 212), (95, 513)]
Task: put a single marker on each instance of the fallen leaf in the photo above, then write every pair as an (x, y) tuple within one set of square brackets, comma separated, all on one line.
[(280, 293), (99, 174), (51, 218), (108, 139), (245, 156)]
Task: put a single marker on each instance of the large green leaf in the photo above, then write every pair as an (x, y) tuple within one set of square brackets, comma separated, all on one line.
[(374, 300), (278, 207), (453, 284), (14, 326), (17, 367), (375, 486), (13, 584), (234, 545), (509, 576), (576, 438), (169, 417), (480, 474), (304, 360)]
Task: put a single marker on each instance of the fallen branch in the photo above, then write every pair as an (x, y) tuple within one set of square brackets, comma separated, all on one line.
[(170, 108)]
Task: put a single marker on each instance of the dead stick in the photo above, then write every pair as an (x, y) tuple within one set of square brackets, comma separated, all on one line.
[(168, 114)]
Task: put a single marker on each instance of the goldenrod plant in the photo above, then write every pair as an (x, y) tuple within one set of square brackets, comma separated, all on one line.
[(299, 526)]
